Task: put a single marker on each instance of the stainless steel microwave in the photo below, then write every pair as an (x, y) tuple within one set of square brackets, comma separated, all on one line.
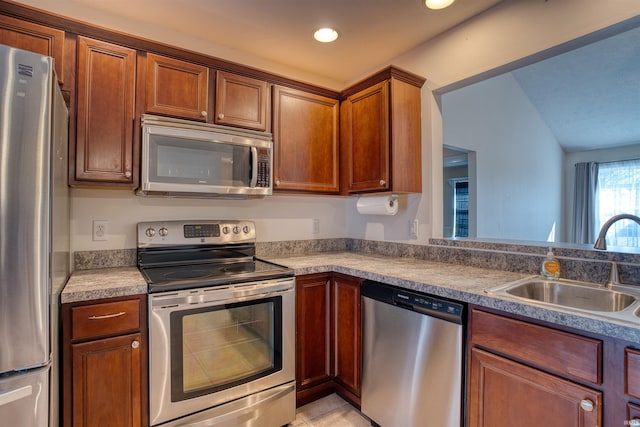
[(185, 158)]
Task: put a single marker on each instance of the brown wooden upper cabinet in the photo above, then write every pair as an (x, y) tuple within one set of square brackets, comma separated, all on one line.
[(241, 101), (176, 88), (104, 149), (34, 38), (380, 134), (305, 135)]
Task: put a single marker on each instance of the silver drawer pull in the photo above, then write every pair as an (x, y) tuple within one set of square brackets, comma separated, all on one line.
[(107, 316), (135, 344)]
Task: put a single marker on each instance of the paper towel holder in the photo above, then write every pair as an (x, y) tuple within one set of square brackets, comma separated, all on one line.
[(378, 204)]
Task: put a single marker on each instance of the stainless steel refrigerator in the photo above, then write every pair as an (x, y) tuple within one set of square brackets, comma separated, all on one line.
[(34, 236)]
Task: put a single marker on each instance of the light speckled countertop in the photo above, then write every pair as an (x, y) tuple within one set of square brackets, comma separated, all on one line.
[(86, 285), (457, 282)]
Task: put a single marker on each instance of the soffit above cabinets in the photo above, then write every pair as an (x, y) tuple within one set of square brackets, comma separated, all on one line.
[(281, 31)]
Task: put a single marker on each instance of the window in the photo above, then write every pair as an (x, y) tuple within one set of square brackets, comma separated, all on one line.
[(619, 192), (460, 207)]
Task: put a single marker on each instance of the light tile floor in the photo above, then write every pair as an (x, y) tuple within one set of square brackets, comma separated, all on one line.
[(330, 411)]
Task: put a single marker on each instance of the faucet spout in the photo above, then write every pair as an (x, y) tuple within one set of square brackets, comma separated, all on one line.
[(601, 242)]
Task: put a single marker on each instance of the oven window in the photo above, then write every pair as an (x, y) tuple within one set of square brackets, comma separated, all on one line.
[(219, 347)]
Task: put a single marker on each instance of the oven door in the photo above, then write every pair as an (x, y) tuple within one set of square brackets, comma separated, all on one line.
[(212, 345)]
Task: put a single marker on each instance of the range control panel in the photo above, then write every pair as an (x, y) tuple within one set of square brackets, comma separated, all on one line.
[(201, 232)]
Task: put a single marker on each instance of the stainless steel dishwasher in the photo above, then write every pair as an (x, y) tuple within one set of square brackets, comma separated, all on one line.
[(412, 358)]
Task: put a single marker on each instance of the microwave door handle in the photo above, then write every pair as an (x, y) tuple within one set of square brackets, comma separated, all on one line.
[(254, 167)]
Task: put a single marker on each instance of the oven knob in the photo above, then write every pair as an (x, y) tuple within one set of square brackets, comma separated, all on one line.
[(236, 229), (163, 231), (150, 232), (246, 229), (225, 230)]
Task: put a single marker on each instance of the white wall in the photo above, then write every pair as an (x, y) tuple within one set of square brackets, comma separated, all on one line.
[(277, 217), (490, 42), (510, 31), (518, 160)]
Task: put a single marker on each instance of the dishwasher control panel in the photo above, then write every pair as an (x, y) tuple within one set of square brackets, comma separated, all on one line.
[(433, 306), (427, 304)]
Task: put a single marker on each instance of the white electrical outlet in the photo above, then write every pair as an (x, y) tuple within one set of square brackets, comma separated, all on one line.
[(413, 228), (100, 230), (316, 226)]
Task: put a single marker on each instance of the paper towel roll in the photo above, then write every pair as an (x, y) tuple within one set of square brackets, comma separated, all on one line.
[(378, 205)]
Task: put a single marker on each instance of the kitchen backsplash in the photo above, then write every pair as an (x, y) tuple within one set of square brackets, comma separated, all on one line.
[(577, 264)]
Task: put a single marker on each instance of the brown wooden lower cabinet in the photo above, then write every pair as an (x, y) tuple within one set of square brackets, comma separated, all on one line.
[(346, 331), (504, 393), (313, 363), (328, 337), (107, 382), (527, 372), (105, 371)]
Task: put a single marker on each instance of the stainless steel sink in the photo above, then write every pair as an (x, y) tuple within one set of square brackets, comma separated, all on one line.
[(622, 302)]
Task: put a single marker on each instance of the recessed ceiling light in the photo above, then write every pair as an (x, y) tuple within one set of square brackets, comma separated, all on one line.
[(438, 4), (325, 35)]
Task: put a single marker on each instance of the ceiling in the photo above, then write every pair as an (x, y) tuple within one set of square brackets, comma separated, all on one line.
[(589, 97), (372, 32)]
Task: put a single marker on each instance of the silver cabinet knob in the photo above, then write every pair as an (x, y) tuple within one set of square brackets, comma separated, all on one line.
[(203, 113), (150, 232), (587, 405), (135, 344), (382, 182), (221, 116), (163, 231), (127, 174)]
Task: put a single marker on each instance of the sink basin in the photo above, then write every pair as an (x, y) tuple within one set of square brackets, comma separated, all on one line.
[(572, 295)]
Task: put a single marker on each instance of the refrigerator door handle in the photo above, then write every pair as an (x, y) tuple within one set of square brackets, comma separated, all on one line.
[(17, 394)]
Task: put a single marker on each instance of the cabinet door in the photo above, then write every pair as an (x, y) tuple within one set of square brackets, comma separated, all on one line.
[(107, 382), (105, 112), (305, 132), (346, 332), (365, 137), (312, 330), (176, 88), (34, 38), (241, 101), (503, 393)]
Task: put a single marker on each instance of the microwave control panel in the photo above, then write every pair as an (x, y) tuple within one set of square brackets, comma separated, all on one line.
[(264, 168)]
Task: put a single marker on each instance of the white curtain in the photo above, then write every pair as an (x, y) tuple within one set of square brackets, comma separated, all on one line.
[(585, 204), (619, 192)]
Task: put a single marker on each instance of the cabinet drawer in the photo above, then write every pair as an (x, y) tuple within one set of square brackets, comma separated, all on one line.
[(632, 372), (109, 318), (552, 350)]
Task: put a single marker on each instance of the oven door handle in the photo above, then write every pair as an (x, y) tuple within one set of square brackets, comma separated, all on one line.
[(219, 296), (243, 414)]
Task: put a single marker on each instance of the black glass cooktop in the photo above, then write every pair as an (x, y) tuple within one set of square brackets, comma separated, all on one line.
[(202, 274)]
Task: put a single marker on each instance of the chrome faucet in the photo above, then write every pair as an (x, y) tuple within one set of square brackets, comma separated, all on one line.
[(601, 242)]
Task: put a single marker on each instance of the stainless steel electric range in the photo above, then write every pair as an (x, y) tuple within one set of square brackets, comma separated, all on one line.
[(221, 326)]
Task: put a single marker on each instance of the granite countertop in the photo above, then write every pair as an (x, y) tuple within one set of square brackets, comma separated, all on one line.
[(86, 285), (462, 283)]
